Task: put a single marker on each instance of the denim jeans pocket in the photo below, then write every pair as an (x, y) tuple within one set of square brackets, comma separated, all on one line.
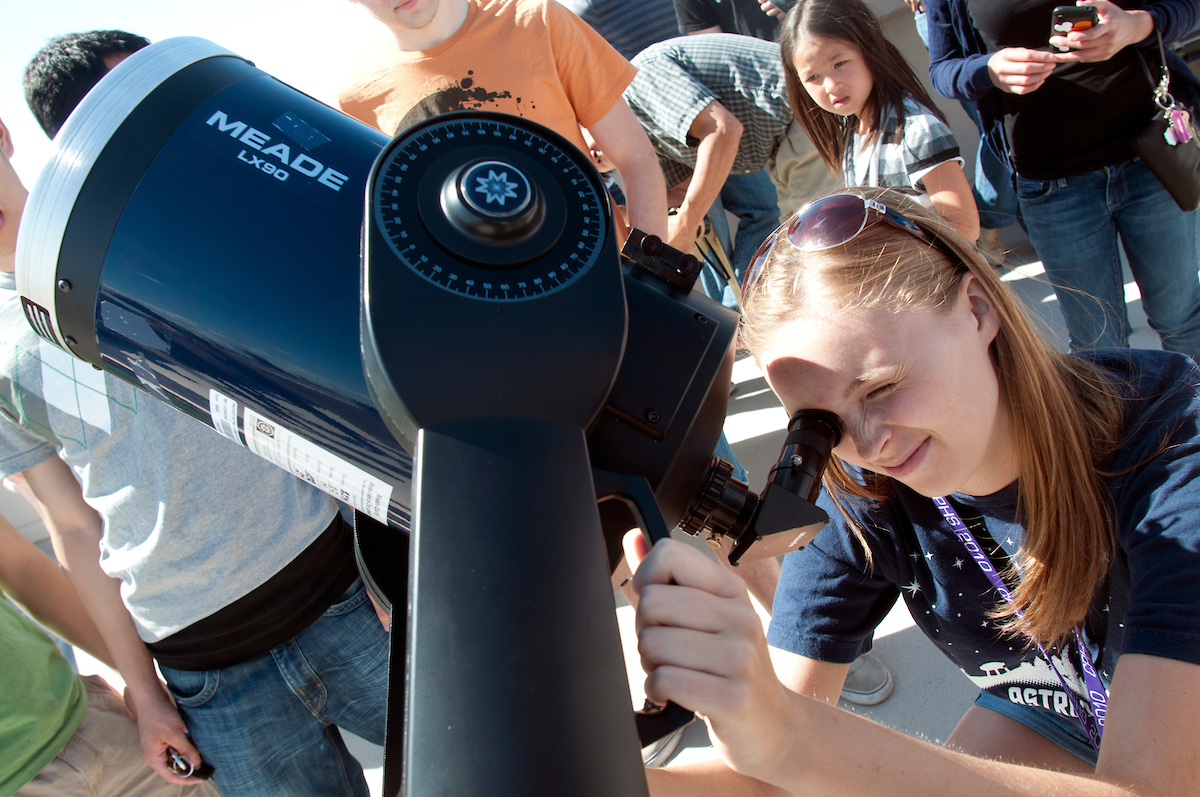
[(354, 596), (191, 688), (1034, 190)]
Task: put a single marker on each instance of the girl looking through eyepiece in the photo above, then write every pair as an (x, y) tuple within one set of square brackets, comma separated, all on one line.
[(1061, 572)]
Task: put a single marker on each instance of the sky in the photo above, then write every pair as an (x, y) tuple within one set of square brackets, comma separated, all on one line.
[(305, 43)]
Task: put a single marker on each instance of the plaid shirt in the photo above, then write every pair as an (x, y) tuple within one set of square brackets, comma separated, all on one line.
[(678, 78)]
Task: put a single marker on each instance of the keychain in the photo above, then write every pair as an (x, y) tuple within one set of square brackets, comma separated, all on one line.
[(182, 766), (1179, 121), (1179, 126)]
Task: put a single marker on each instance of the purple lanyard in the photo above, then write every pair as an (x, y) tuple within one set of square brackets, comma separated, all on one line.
[(1093, 724)]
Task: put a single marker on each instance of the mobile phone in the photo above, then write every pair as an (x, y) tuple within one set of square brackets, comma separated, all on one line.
[(1065, 19)]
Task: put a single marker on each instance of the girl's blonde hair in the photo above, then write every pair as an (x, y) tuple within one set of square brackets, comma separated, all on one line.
[(1067, 413), (849, 21)]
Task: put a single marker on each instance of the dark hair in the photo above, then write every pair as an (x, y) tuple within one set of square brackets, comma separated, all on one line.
[(850, 21), (65, 70)]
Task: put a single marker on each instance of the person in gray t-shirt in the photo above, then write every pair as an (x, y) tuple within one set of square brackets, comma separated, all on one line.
[(233, 571)]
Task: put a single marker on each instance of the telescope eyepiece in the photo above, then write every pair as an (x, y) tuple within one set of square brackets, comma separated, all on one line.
[(812, 436)]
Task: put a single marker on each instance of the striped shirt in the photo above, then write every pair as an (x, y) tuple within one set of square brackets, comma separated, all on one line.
[(678, 78), (925, 142)]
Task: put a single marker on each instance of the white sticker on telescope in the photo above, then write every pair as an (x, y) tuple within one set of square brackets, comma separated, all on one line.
[(223, 410), (320, 468)]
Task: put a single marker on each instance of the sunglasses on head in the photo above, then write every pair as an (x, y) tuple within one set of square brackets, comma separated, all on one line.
[(829, 223)]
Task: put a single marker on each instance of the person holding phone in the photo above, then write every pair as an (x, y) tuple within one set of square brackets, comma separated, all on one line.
[(1064, 120), (1034, 509)]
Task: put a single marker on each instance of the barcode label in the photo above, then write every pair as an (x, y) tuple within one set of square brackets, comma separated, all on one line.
[(223, 410), (323, 469)]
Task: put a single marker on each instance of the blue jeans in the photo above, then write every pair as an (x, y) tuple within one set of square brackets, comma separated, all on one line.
[(270, 725), (1073, 223), (993, 189), (995, 198), (752, 198), (725, 451)]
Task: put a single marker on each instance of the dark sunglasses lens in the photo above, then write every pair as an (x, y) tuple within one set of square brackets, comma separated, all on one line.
[(828, 222), (757, 262)]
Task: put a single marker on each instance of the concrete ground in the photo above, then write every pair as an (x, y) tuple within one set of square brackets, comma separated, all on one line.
[(930, 693)]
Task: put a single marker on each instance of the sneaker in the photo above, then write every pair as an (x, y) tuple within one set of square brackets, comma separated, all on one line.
[(657, 754), (991, 245), (868, 682)]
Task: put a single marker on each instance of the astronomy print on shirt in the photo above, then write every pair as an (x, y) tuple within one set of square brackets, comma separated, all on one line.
[(1033, 683), (1006, 667)]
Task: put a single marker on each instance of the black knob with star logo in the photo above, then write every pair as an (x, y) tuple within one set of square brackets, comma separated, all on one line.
[(492, 201)]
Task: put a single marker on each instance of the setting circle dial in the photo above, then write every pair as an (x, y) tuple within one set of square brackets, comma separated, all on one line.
[(488, 209)]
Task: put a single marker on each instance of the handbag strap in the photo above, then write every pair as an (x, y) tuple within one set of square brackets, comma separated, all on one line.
[(1161, 88)]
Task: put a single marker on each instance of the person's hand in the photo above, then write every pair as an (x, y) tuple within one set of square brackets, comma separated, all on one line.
[(160, 727), (915, 5), (1117, 30), (385, 619), (772, 10), (702, 646), (682, 231), (1018, 70)]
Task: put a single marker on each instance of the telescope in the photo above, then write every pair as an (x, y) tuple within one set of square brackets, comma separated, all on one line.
[(440, 331)]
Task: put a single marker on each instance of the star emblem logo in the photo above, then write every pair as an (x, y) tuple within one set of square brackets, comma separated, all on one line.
[(496, 187), (912, 589)]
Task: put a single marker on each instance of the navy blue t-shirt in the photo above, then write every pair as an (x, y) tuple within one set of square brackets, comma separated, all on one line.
[(829, 601)]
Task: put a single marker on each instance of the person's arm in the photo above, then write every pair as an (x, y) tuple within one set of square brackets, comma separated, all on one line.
[(1174, 19), (772, 10), (703, 651), (36, 583), (951, 196), (76, 534), (621, 138), (761, 578), (932, 161), (718, 133), (962, 70), (957, 69), (697, 16)]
